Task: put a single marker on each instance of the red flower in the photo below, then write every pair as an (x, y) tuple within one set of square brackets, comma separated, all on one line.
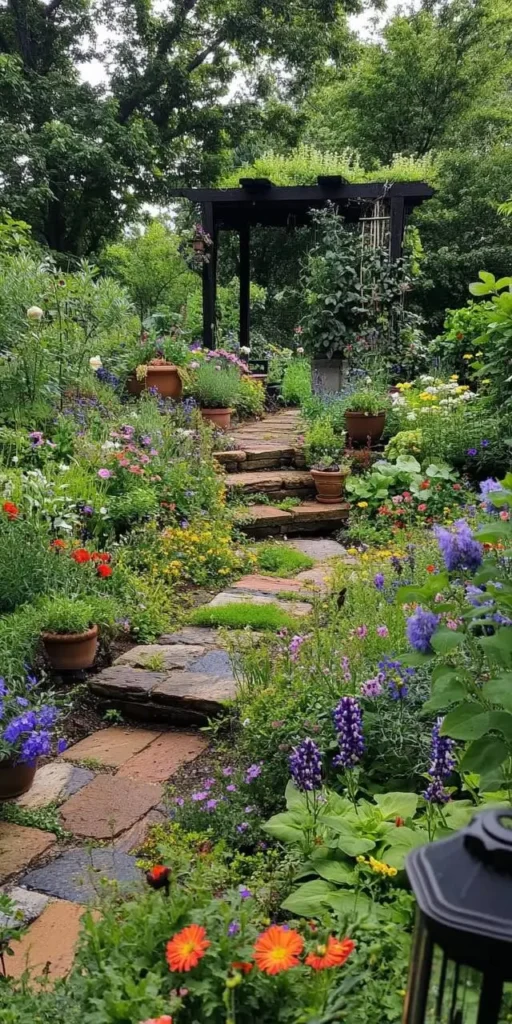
[(332, 954), (58, 544), (101, 556), (11, 510), (158, 877), (431, 568), (399, 822), (81, 555), (424, 485), (457, 487), (243, 966), (104, 571), (459, 335), (422, 507)]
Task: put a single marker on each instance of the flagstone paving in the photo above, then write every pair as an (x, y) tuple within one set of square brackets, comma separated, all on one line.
[(77, 874), (49, 945), (19, 846)]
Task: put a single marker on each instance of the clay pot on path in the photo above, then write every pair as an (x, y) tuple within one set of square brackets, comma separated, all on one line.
[(69, 652), (360, 427), (329, 484), (220, 418), (15, 779)]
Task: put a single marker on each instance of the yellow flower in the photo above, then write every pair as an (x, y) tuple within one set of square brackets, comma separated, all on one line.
[(486, 381), (362, 504), (478, 354), (361, 860), (454, 376), (468, 355), (352, 551), (380, 868)]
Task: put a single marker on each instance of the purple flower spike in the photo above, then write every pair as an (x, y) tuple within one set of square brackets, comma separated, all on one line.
[(421, 627), (233, 928), (442, 763), (378, 581), (348, 722), (459, 548), (306, 766)]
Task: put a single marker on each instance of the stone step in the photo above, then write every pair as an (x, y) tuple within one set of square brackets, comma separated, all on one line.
[(303, 587), (308, 517), (279, 484)]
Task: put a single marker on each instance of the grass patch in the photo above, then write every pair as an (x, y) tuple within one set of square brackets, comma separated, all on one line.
[(239, 616), (279, 560), (45, 818)]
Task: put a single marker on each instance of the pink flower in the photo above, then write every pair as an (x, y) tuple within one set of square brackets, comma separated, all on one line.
[(361, 632), (105, 474), (452, 624), (397, 499), (504, 515), (382, 631), (422, 507), (439, 598)]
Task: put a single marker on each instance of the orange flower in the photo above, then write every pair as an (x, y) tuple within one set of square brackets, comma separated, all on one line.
[(11, 510), (186, 948), (58, 544), (158, 1020), (277, 949), (431, 568), (333, 954), (101, 556), (158, 877), (104, 570), (243, 966), (81, 555)]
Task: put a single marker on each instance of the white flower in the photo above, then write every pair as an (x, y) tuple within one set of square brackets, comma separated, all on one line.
[(35, 313), (245, 350), (411, 416), (368, 380), (63, 467), (300, 351), (15, 458), (95, 363), (194, 365), (246, 722), (426, 379)]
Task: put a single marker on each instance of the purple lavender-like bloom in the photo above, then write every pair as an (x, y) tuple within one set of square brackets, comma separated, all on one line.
[(252, 773), (486, 488), (295, 646), (242, 827), (243, 891), (442, 763), (378, 581), (396, 676), (19, 726), (38, 744), (36, 438), (211, 805), (421, 627), (306, 766), (199, 797), (348, 723), (3, 687), (459, 549), (472, 451), (233, 928)]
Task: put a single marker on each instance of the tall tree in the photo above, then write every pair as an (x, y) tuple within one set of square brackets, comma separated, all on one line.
[(77, 161)]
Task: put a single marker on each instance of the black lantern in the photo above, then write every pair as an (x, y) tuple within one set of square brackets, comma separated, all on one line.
[(462, 950)]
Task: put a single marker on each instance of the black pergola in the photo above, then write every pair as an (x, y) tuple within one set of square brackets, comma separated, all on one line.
[(259, 202)]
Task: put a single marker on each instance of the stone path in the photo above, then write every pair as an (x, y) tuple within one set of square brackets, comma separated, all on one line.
[(114, 800)]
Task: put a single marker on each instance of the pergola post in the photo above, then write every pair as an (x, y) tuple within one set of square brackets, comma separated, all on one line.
[(396, 227), (245, 284), (209, 279)]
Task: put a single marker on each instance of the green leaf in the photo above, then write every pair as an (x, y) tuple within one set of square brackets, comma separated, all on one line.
[(306, 899), (295, 800), (503, 282), (352, 904), (446, 640), (400, 842), (397, 805), (334, 871), (467, 722), (408, 464), (284, 827), (499, 691), (348, 841), (484, 755), (498, 648), (446, 690)]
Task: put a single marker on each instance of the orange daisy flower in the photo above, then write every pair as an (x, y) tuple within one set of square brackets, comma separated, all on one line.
[(243, 966), (158, 1020), (186, 948), (333, 954), (277, 949)]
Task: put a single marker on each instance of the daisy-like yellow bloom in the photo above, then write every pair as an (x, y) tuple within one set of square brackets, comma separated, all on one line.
[(468, 355), (362, 504), (478, 354), (486, 381), (454, 376)]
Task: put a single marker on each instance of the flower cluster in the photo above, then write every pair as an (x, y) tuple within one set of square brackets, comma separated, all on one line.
[(306, 766), (458, 547), (228, 357), (441, 765), (421, 626), (487, 487), (348, 723), (396, 677), (27, 731), (378, 867)]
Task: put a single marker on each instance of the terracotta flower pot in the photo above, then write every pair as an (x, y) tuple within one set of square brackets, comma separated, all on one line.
[(360, 426), (68, 652), (220, 418), (134, 386), (165, 378), (16, 779), (329, 484)]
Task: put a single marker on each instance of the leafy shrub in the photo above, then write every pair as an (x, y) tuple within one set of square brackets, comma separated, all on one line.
[(406, 442), (69, 615), (296, 382), (216, 387), (132, 507), (322, 444), (250, 400)]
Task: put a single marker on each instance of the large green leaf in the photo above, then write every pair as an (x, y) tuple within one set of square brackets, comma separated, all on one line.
[(499, 690), (397, 805), (498, 648), (484, 755), (447, 689), (351, 904), (284, 827), (400, 842), (446, 640), (467, 722), (348, 840), (310, 898), (333, 870), (295, 800), (408, 464)]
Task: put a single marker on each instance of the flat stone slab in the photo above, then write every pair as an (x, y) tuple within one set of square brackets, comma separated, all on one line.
[(111, 747), (195, 691), (203, 636), (55, 782), (76, 874), (163, 757), (270, 584), (135, 681), (319, 577), (235, 456), (167, 658), (108, 806), (215, 663), (266, 481), (19, 846), (318, 548), (268, 515), (132, 840), (49, 945), (297, 608), (28, 906)]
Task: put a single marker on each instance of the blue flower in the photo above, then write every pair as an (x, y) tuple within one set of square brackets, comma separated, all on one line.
[(306, 766), (38, 744), (421, 627), (486, 488), (19, 726), (471, 451), (233, 928), (378, 581), (348, 723), (252, 772), (442, 763), (459, 548)]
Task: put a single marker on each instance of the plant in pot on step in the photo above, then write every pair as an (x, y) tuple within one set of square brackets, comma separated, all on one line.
[(159, 358), (323, 449), (216, 389), (69, 629), (365, 412), (28, 731)]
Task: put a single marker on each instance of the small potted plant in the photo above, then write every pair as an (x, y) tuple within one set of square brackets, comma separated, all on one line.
[(324, 456), (160, 359), (69, 630), (216, 388), (365, 414), (28, 732)]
